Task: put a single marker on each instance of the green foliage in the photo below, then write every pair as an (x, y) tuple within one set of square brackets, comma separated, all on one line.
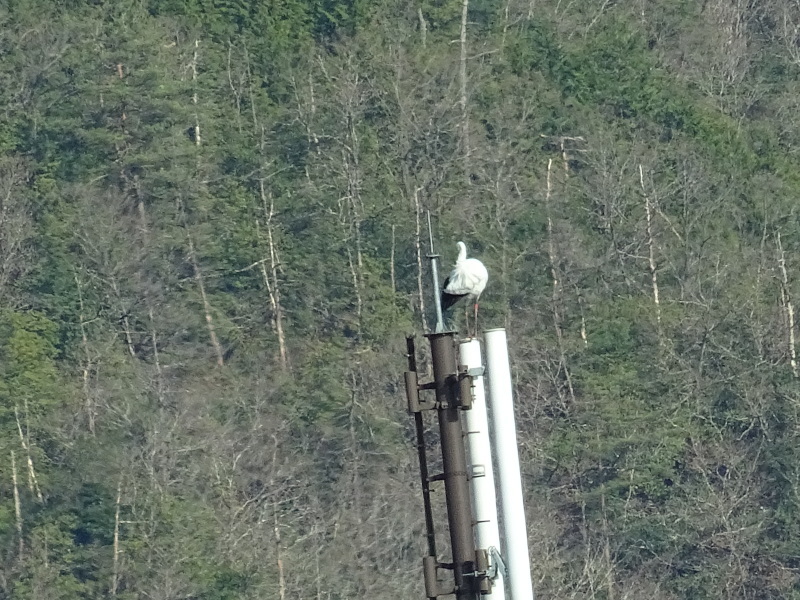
[(384, 315), (54, 540), (628, 432), (28, 375), (324, 392), (617, 71), (662, 438)]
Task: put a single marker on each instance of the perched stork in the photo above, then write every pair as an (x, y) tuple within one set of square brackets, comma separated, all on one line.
[(467, 280)]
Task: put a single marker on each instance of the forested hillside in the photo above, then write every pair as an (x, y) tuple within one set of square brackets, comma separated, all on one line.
[(212, 244)]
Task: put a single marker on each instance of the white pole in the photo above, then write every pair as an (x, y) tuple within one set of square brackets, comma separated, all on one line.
[(504, 438), (479, 453)]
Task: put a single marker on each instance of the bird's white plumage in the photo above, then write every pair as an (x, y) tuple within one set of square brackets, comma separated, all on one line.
[(468, 277), (467, 280)]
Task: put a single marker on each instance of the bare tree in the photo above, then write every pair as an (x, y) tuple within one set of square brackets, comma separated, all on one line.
[(554, 276), (87, 366), (651, 252), (201, 286), (271, 280)]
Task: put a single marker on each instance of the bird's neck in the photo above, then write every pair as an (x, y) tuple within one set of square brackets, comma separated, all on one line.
[(462, 253)]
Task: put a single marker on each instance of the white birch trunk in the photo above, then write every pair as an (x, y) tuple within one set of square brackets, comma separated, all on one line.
[(85, 370), (193, 67), (651, 252), (17, 506), (271, 278), (116, 551), (24, 440), (788, 307), (391, 263), (556, 296), (198, 276), (463, 80)]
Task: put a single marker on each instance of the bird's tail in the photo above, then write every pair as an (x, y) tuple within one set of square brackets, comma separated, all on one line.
[(449, 300)]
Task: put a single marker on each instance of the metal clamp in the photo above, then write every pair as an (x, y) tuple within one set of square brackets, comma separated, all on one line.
[(496, 564)]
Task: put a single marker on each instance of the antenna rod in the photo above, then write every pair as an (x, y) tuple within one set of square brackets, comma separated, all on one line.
[(437, 299)]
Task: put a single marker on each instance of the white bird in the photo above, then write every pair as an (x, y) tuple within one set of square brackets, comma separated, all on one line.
[(467, 280)]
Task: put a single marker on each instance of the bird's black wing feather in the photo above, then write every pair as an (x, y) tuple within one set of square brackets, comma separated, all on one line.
[(449, 300)]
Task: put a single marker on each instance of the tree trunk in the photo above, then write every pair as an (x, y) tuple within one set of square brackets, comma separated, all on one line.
[(275, 522), (156, 357), (271, 279), (355, 484), (17, 505), (506, 25), (788, 307), (115, 558), (87, 365), (126, 323), (193, 67), (279, 553), (351, 164), (391, 264), (24, 440), (462, 76), (651, 254), (198, 277), (253, 112), (423, 27), (556, 296), (583, 319)]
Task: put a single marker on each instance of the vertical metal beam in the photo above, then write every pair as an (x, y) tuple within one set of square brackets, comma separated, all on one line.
[(456, 482), (423, 460)]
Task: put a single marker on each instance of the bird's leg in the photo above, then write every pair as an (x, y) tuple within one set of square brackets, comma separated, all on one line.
[(475, 322), (466, 319)]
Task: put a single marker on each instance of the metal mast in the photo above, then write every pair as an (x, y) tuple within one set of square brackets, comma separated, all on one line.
[(477, 566), (452, 394), (504, 437)]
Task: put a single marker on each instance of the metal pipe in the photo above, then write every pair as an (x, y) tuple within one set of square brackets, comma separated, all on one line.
[(504, 438), (437, 297), (479, 453), (423, 461), (454, 461)]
